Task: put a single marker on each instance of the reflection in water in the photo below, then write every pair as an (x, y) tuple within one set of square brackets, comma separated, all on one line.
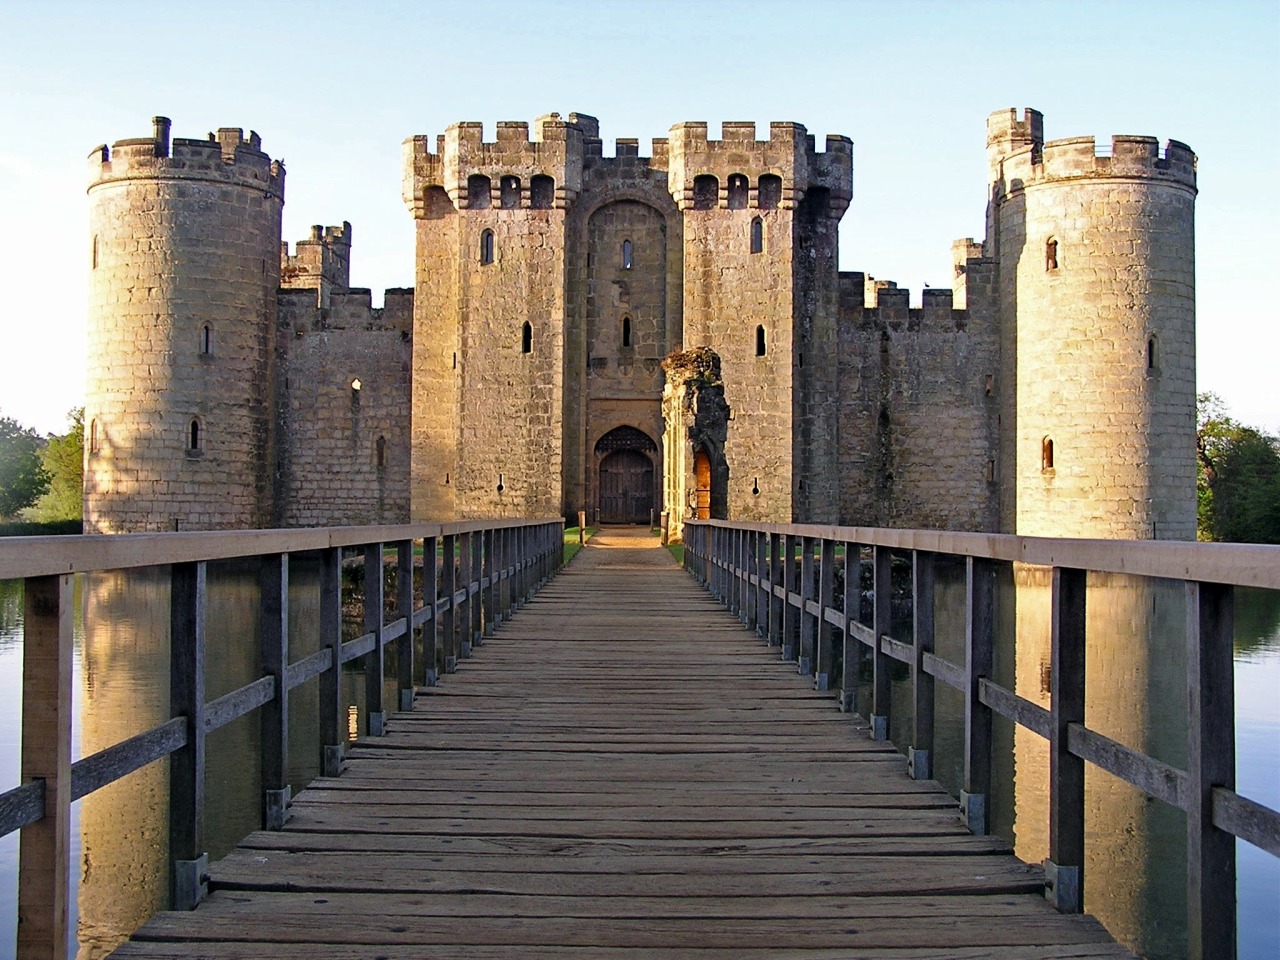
[(1135, 852)]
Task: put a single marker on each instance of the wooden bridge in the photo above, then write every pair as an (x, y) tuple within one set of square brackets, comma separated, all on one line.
[(624, 769)]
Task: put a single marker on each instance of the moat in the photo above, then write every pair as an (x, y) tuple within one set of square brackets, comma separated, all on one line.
[(1136, 848)]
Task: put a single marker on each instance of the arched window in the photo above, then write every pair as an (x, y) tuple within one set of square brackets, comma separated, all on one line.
[(195, 438), (1051, 253), (626, 331), (526, 338), (757, 235), (93, 436), (380, 453), (1046, 454), (760, 346), (737, 192), (206, 340), (486, 247), (479, 192), (706, 192), (510, 191), (626, 254), (542, 192), (769, 192), (356, 385)]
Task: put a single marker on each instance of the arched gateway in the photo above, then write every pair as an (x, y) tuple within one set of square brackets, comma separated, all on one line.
[(626, 458)]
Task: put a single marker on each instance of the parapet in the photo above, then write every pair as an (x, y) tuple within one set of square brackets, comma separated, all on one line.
[(225, 157), (322, 262), (868, 302), (790, 154), (1008, 133)]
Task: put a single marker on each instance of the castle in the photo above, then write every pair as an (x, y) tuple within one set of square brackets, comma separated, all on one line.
[(643, 338)]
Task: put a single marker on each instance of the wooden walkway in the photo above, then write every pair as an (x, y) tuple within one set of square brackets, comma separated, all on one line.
[(624, 773)]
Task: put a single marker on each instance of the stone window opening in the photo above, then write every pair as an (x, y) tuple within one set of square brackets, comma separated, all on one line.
[(991, 471), (760, 345), (206, 340), (94, 260), (769, 192), (542, 192), (195, 438), (1046, 454), (1051, 254), (486, 247), (356, 385), (1152, 357), (380, 453), (757, 235), (510, 193), (479, 192), (626, 254), (626, 331), (706, 192), (737, 192), (526, 338), (93, 436)]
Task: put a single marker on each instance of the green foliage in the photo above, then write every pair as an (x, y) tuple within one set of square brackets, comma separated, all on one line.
[(63, 460), (1238, 483), (22, 477)]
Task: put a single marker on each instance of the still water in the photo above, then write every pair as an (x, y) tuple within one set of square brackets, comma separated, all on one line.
[(1135, 856)]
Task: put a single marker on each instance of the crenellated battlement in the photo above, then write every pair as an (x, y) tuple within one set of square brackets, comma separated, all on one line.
[(1128, 157), (868, 302), (322, 262), (227, 156), (790, 156)]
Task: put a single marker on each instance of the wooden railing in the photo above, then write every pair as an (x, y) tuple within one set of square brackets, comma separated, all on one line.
[(781, 579), (484, 569)]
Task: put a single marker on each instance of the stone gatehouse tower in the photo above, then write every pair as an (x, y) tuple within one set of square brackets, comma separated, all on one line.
[(643, 337)]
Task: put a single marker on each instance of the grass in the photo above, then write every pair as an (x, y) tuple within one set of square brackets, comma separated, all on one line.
[(571, 544)]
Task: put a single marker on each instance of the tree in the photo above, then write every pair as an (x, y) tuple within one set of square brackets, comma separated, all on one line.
[(22, 477), (63, 460), (1238, 487)]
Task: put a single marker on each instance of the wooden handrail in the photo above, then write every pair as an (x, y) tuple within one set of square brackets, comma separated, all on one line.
[(752, 568), (501, 563)]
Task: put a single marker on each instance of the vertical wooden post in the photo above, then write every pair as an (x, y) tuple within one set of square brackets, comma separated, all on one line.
[(374, 671), (477, 598), (333, 729), (463, 586), (790, 613), (882, 570), (490, 573), (1064, 870), (979, 646), (44, 868), (774, 632), (508, 573), (404, 609), (826, 589), (920, 753), (449, 587), (851, 651), (430, 600), (746, 606), (763, 572), (751, 568), (274, 617), (733, 593), (1211, 762), (190, 882), (808, 622)]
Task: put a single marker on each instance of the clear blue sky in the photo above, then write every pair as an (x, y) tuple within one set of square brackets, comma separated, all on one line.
[(333, 88)]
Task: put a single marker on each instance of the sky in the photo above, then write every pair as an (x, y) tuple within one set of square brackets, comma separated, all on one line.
[(334, 88)]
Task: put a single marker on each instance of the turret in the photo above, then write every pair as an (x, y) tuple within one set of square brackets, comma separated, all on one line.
[(184, 267)]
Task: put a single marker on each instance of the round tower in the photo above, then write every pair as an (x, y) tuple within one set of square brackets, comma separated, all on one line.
[(1097, 301), (184, 269)]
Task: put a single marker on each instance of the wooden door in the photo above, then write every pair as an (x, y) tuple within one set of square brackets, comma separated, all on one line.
[(626, 487)]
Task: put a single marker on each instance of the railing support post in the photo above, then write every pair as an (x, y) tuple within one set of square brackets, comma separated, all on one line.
[(851, 646), (490, 573), (790, 613), (477, 598), (463, 586), (430, 599), (826, 589), (808, 622), (333, 731), (1064, 870), (274, 617), (374, 675), (190, 881), (774, 619), (920, 753), (449, 586), (404, 609), (979, 645), (882, 572), (44, 869), (1211, 762)]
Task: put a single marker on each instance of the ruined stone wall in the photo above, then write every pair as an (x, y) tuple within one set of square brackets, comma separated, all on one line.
[(184, 266), (919, 405), (344, 456), (1097, 277)]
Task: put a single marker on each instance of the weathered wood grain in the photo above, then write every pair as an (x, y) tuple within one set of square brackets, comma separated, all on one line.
[(624, 772)]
